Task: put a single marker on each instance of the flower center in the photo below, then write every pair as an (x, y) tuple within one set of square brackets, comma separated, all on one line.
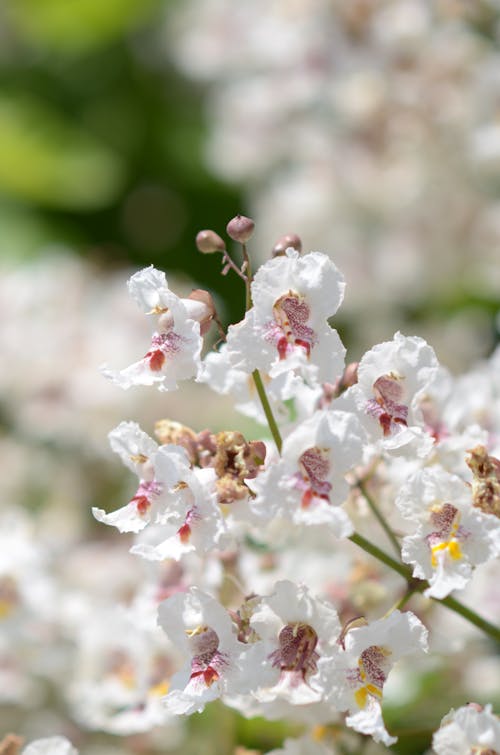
[(162, 346), (373, 667), (185, 530), (207, 661), (146, 493), (297, 649), (446, 535), (314, 467), (386, 405), (291, 313)]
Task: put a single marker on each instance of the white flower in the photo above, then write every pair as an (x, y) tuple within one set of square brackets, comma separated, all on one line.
[(158, 469), (391, 379), (176, 343), (307, 485), (192, 522), (123, 668), (356, 682), (298, 630), (453, 536), (470, 729), (287, 328), (50, 746), (202, 631)]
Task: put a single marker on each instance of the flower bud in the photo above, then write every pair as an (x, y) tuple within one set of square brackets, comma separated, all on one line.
[(209, 242), (206, 311), (240, 228), (285, 242)]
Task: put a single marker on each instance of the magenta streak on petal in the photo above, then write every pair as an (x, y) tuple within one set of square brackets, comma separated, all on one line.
[(385, 407), (163, 345)]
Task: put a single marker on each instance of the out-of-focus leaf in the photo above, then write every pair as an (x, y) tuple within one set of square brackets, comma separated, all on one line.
[(75, 26), (44, 159)]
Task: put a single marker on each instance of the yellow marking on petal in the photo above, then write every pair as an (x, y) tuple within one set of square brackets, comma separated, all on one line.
[(453, 548), (373, 690), (157, 310), (138, 458), (198, 630), (360, 696), (127, 678), (159, 689)]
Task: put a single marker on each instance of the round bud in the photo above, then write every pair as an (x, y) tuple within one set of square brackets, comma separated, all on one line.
[(240, 228), (208, 242), (285, 242)]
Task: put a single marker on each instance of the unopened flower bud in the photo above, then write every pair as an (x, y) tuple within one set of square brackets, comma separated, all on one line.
[(206, 307), (285, 242), (209, 242), (240, 228)]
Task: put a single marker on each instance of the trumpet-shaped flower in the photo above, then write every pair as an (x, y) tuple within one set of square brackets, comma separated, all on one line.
[(174, 353), (470, 729), (391, 379), (203, 632), (308, 484), (356, 681), (453, 536), (158, 471), (286, 329), (298, 630)]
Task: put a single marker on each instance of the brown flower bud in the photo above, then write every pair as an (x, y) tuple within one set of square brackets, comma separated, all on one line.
[(199, 294), (240, 228), (285, 242), (209, 242)]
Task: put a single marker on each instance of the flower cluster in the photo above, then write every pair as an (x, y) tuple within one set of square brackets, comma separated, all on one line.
[(393, 437)]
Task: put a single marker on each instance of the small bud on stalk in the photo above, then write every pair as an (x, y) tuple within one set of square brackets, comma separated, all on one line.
[(240, 229), (285, 242), (209, 242)]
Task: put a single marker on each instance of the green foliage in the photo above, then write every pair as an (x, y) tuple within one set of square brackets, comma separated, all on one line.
[(75, 26)]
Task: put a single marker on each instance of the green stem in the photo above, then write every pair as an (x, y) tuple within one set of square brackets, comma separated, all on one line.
[(454, 605), (376, 552), (273, 426), (402, 601), (471, 616), (379, 517)]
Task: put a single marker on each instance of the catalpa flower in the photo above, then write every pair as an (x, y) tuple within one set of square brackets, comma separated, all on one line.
[(391, 380), (203, 632), (287, 328), (356, 681), (123, 667), (174, 353), (470, 729), (453, 536), (49, 746), (142, 455), (192, 521), (297, 630), (307, 485)]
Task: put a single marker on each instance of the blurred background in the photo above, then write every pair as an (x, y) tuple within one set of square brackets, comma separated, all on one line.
[(371, 128)]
